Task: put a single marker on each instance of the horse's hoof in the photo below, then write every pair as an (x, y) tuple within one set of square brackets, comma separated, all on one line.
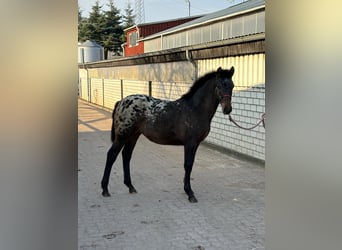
[(132, 190), (105, 194), (193, 199)]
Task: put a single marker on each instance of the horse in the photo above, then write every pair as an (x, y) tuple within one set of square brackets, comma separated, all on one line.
[(185, 121)]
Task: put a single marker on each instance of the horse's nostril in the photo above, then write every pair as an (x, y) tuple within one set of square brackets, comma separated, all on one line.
[(227, 110)]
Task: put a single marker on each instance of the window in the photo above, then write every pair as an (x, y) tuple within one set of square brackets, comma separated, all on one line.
[(227, 29), (205, 34), (133, 39), (216, 32), (250, 24), (237, 27), (195, 36), (261, 22)]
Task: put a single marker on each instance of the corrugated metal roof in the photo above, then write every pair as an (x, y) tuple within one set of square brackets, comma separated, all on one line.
[(163, 21), (89, 43), (232, 10), (153, 28)]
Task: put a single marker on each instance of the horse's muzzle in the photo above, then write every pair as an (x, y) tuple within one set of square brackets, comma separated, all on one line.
[(226, 110), (226, 105)]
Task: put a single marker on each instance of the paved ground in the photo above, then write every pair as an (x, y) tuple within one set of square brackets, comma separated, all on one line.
[(230, 192)]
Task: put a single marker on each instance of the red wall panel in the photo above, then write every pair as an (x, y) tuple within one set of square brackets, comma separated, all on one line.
[(147, 30), (134, 50)]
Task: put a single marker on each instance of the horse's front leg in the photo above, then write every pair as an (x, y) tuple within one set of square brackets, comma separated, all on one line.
[(189, 157)]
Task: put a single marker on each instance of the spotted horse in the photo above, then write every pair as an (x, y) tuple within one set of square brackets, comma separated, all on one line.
[(185, 121)]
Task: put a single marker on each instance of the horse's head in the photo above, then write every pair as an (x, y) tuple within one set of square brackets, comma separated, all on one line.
[(224, 88)]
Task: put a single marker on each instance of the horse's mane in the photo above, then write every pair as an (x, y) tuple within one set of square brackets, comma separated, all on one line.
[(198, 84)]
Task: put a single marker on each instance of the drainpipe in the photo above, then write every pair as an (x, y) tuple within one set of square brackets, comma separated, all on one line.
[(88, 87), (85, 67), (189, 59), (123, 49)]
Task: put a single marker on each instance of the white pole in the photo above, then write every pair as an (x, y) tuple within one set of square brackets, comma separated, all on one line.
[(188, 1)]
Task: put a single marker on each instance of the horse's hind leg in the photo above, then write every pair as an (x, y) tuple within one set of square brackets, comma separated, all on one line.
[(126, 158), (111, 157)]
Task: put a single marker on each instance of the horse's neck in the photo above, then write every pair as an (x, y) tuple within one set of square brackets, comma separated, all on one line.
[(205, 100)]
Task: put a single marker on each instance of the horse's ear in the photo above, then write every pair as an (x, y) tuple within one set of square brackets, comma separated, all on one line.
[(232, 70)]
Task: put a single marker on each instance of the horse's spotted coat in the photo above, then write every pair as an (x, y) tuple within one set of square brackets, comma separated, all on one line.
[(134, 109), (185, 121)]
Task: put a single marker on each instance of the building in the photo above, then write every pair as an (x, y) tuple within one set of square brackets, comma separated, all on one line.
[(134, 35), (246, 19)]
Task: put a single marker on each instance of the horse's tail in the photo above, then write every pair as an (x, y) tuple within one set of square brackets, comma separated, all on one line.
[(113, 125)]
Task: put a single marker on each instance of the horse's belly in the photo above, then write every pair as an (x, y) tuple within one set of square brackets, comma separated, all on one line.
[(165, 141), (162, 136)]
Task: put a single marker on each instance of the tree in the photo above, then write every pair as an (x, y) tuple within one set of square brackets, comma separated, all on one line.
[(95, 25), (79, 15), (103, 27), (128, 17), (112, 29), (82, 31)]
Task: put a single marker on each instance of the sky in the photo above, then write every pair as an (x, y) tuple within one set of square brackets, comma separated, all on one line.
[(157, 10)]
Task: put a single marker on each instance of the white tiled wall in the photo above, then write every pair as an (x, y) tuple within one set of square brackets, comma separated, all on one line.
[(248, 105), (247, 111)]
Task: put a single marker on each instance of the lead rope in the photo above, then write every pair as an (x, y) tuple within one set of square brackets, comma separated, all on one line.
[(262, 120)]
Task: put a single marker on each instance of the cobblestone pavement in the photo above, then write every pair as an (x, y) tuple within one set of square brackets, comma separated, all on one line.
[(230, 192)]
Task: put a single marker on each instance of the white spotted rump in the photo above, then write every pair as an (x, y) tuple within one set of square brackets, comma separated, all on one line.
[(134, 109)]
